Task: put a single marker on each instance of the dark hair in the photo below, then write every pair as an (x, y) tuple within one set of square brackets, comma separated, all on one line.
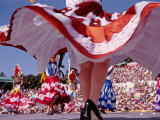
[(158, 75)]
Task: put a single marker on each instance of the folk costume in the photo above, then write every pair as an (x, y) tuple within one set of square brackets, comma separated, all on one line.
[(87, 32), (70, 107), (52, 88), (107, 98), (16, 100)]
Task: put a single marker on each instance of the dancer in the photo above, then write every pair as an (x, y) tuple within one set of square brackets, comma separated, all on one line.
[(107, 98), (52, 93), (156, 103), (70, 107), (93, 38), (16, 100)]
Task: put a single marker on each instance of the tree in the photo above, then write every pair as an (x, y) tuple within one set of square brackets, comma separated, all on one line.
[(31, 81), (2, 74), (7, 86)]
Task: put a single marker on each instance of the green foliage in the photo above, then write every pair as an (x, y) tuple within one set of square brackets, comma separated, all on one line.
[(31, 81), (6, 86)]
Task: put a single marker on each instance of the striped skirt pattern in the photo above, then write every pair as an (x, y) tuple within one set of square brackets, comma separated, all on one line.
[(107, 98)]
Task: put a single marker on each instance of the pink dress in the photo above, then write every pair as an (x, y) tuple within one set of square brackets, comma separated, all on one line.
[(87, 32)]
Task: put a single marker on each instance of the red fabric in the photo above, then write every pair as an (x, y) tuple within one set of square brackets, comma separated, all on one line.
[(16, 70), (98, 33), (69, 107), (2, 36), (158, 83), (51, 89), (72, 76), (17, 101)]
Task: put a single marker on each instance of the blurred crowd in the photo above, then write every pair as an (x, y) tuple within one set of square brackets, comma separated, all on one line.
[(40, 108), (134, 86)]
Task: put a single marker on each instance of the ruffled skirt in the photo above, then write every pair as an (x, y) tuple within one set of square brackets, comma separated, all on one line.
[(17, 101), (70, 107), (52, 89), (88, 33), (107, 98)]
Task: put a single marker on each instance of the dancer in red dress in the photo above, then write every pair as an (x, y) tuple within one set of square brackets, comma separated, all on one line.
[(70, 107), (52, 92), (93, 38), (16, 100)]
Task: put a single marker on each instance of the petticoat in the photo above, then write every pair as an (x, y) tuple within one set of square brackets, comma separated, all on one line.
[(88, 33)]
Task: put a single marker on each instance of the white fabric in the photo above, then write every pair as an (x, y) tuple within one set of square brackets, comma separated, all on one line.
[(72, 3), (4, 29), (110, 76), (135, 48)]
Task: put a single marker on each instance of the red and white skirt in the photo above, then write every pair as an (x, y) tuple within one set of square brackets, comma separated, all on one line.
[(52, 89), (17, 101), (88, 33), (70, 107)]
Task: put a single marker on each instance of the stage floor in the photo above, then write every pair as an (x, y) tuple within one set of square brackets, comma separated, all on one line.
[(72, 116)]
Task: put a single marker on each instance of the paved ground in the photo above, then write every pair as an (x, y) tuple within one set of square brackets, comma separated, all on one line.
[(69, 116)]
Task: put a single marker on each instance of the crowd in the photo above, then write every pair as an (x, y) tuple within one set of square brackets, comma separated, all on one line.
[(40, 108), (134, 86)]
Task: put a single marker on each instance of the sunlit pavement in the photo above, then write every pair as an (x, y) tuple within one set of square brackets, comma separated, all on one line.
[(71, 116)]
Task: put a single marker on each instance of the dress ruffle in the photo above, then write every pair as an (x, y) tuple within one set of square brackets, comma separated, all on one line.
[(88, 33), (107, 98), (70, 107), (52, 89), (17, 101)]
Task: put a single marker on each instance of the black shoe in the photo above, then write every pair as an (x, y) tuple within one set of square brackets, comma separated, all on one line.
[(102, 111), (95, 109), (86, 111), (111, 110), (57, 112)]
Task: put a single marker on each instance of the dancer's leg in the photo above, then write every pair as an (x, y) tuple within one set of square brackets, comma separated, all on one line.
[(56, 109), (99, 74), (98, 78), (48, 109), (85, 79)]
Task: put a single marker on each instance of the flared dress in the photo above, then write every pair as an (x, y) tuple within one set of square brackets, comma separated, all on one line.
[(87, 32), (17, 100), (52, 90)]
